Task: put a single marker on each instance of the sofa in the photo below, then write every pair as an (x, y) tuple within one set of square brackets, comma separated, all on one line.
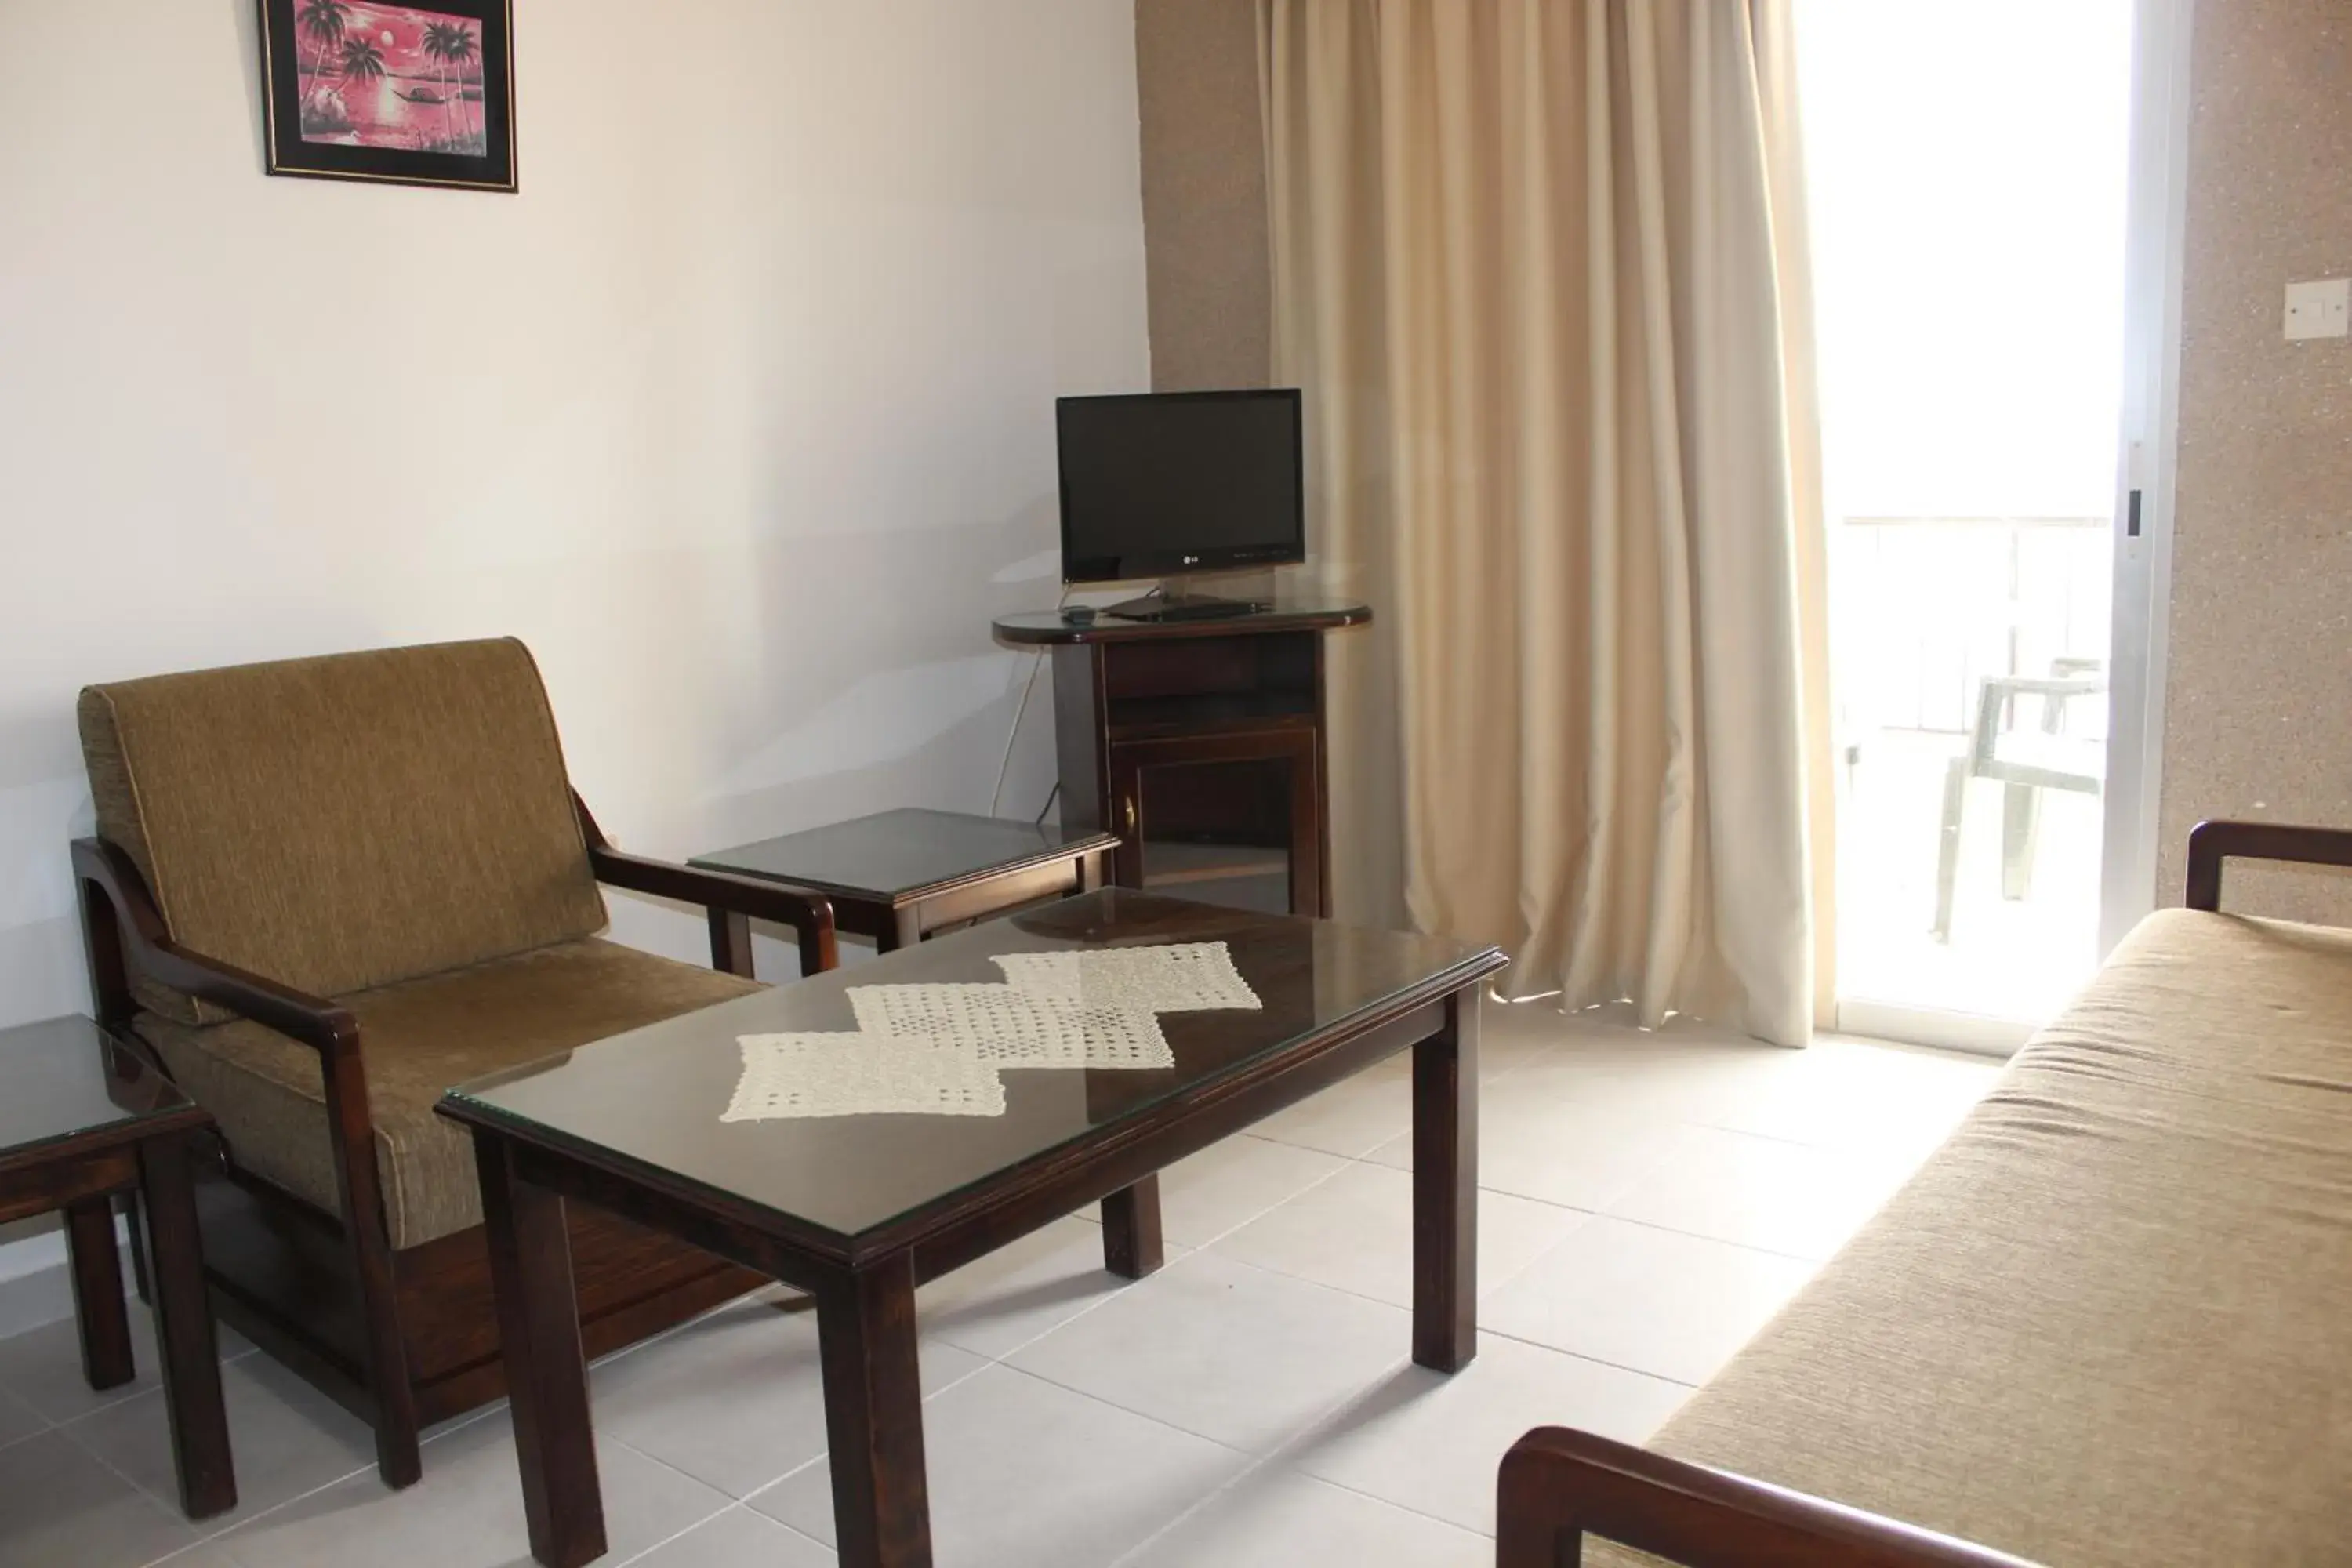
[(2108, 1324)]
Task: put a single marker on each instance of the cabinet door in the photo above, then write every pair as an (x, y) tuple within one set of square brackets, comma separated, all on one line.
[(1229, 819)]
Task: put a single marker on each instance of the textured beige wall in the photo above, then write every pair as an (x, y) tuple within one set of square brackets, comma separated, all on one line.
[(2259, 700), (1206, 252)]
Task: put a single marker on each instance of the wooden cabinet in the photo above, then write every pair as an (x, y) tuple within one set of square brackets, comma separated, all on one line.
[(1201, 745)]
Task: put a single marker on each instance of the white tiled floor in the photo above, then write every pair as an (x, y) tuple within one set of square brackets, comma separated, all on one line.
[(1650, 1200)]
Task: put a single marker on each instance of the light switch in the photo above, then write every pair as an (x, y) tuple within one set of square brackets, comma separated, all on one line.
[(2321, 310)]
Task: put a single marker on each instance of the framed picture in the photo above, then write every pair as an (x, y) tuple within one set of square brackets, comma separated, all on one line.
[(417, 95)]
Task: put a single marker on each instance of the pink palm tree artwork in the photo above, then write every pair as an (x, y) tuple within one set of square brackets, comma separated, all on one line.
[(390, 76)]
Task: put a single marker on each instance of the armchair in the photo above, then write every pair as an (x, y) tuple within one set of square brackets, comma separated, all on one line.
[(324, 890)]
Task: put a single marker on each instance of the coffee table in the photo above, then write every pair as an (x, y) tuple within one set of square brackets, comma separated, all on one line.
[(898, 876), (82, 1118), (860, 1210)]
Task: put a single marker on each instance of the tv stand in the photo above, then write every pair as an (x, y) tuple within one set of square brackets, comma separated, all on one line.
[(1200, 743), (1182, 607)]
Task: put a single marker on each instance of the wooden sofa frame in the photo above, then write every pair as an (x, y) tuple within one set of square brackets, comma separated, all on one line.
[(1558, 1485), (404, 1338)]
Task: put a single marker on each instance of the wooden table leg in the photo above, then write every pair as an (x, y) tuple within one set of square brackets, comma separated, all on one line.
[(1131, 1219), (874, 1417), (547, 1375), (731, 942), (906, 930), (1445, 1189), (98, 1309), (184, 1329)]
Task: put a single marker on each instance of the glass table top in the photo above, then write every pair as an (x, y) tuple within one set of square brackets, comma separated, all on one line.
[(63, 1077), (897, 854), (819, 1127)]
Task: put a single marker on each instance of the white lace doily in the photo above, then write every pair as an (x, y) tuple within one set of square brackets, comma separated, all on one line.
[(844, 1074), (1180, 977), (1007, 1027)]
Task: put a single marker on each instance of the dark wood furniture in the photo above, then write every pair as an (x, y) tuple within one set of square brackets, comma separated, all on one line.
[(2211, 845), (403, 1337), (1201, 744), (83, 1119), (1559, 1488), (898, 876), (859, 1210)]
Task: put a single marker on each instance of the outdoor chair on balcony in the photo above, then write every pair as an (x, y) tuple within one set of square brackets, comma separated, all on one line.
[(2027, 764), (322, 891)]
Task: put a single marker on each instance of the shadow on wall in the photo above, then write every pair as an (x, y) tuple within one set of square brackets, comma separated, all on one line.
[(843, 674), (869, 680)]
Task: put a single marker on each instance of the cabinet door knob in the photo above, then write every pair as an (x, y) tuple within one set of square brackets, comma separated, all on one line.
[(1130, 816)]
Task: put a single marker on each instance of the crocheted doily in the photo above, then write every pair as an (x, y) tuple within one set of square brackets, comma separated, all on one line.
[(855, 1074), (1179, 978), (1008, 1028)]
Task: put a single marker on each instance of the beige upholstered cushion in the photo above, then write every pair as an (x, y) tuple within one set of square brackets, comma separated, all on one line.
[(417, 1038), (340, 823), (2110, 1322)]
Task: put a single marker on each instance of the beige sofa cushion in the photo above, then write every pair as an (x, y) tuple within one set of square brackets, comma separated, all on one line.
[(2110, 1322), (417, 1038), (342, 823)]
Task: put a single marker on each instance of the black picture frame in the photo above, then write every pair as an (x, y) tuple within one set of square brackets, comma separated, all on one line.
[(290, 57)]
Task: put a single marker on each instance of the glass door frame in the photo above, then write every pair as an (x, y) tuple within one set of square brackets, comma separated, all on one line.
[(2146, 466)]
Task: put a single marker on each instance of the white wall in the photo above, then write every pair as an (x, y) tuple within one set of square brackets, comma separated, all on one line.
[(741, 414)]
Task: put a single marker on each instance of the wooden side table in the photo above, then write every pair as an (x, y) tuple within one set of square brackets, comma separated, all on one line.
[(898, 876), (82, 1118)]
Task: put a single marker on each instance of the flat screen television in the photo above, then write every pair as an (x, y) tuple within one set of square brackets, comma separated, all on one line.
[(1171, 483)]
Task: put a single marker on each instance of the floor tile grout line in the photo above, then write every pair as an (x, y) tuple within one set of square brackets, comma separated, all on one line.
[(228, 1529), (1401, 1507), (1498, 1285), (1256, 1464), (1485, 1293), (41, 1431), (764, 1488), (1286, 1455), (1282, 1452), (1386, 1369), (1607, 1210), (169, 1508), (1497, 1334), (1594, 1359), (1773, 1252), (732, 1505), (656, 1460), (1191, 1249), (1261, 1214), (223, 1534), (820, 1456)]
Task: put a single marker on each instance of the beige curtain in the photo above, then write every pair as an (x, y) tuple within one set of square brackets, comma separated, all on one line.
[(1539, 265)]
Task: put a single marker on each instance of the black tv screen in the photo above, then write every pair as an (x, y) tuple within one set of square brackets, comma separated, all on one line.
[(1171, 482)]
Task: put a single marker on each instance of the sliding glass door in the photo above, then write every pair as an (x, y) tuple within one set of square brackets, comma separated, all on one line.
[(1970, 169)]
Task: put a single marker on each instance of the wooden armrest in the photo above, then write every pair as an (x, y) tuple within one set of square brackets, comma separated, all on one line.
[(328, 1029), (126, 935), (721, 892), (2213, 843), (1558, 1485)]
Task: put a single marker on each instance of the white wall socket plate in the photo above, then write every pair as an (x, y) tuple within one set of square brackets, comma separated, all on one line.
[(2320, 310)]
